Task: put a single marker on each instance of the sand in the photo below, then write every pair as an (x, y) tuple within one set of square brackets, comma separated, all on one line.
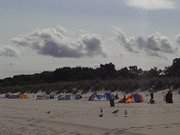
[(51, 117)]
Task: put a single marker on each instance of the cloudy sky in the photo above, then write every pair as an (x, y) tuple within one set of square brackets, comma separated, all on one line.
[(38, 35)]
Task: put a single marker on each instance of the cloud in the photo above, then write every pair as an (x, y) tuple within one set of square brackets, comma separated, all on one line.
[(125, 42), (56, 42), (178, 39), (152, 4), (153, 45), (92, 45), (8, 52)]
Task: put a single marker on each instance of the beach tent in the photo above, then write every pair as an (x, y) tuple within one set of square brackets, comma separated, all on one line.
[(52, 95), (42, 97), (109, 96), (134, 98), (69, 97), (138, 98), (12, 96), (129, 99), (23, 96), (60, 97), (91, 98), (98, 97), (78, 96), (2, 95), (64, 97)]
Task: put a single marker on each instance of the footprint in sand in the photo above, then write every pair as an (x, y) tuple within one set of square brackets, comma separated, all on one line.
[(167, 127)]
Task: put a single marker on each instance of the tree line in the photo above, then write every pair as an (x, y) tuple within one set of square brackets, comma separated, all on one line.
[(104, 76)]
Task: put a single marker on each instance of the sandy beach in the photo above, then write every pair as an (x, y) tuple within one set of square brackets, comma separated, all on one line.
[(90, 67), (51, 117)]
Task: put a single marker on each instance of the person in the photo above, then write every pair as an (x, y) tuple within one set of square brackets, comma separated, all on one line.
[(125, 113), (116, 96), (152, 98), (101, 112), (111, 101), (169, 97), (124, 99)]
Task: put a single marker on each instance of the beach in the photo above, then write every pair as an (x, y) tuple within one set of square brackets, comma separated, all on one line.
[(52, 117)]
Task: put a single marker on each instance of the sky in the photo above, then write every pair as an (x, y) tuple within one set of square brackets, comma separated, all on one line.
[(42, 35)]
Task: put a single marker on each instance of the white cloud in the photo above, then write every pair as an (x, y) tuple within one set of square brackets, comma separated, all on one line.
[(8, 52), (153, 45), (152, 4), (178, 39), (56, 43)]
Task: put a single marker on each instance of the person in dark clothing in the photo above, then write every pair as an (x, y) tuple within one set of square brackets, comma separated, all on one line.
[(111, 101), (124, 99), (101, 112), (152, 95), (152, 98), (116, 96), (169, 97)]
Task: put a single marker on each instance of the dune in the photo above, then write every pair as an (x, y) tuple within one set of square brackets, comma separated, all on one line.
[(51, 117)]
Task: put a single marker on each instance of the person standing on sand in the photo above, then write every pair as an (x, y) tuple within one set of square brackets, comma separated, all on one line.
[(111, 100), (169, 97), (116, 96), (152, 98), (101, 112), (124, 99)]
